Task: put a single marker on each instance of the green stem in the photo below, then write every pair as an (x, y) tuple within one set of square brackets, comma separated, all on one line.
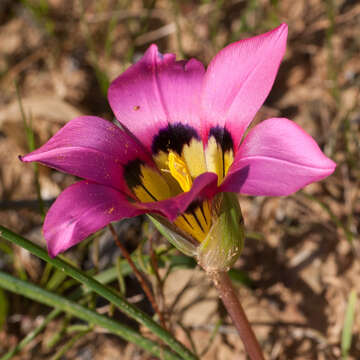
[(38, 294), (101, 290)]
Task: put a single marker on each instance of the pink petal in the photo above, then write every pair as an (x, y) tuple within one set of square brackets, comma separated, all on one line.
[(239, 79), (156, 91), (204, 186), (276, 158), (82, 209), (91, 148)]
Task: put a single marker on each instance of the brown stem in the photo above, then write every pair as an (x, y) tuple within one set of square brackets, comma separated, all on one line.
[(159, 283), (232, 304), (154, 261), (138, 275)]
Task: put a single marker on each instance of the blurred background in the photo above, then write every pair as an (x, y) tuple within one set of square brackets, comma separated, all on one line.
[(301, 257)]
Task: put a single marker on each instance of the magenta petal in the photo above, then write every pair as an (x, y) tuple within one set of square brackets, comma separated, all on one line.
[(91, 148), (204, 186), (82, 209), (276, 158), (239, 79), (156, 91)]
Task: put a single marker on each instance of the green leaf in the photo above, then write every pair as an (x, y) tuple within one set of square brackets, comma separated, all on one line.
[(349, 235), (31, 145), (182, 261), (70, 343), (5, 248), (104, 277), (107, 293), (240, 277), (348, 325), (56, 280), (36, 293), (4, 308)]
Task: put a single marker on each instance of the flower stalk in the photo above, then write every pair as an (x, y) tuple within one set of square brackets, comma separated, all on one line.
[(216, 254), (233, 306)]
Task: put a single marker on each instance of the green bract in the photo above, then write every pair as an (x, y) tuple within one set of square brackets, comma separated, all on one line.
[(224, 242)]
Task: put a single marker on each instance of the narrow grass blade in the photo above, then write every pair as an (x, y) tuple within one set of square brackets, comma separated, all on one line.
[(101, 290), (348, 325), (59, 354), (104, 277), (56, 280), (334, 218), (31, 145), (32, 335), (4, 307), (38, 294)]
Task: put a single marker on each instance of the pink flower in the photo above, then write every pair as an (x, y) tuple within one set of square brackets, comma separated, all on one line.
[(180, 145)]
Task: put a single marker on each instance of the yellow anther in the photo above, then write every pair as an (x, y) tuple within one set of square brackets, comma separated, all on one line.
[(179, 171)]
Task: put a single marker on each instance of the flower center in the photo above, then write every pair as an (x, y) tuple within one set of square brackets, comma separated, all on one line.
[(179, 170), (180, 158)]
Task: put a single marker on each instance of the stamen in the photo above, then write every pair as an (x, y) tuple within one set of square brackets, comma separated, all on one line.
[(179, 171)]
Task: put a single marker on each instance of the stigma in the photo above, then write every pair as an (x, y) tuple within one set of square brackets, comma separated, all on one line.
[(179, 171)]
